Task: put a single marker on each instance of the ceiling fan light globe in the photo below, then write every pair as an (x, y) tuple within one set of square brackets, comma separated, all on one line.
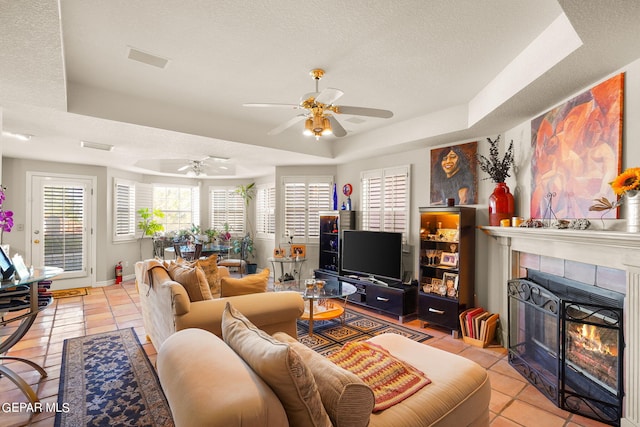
[(327, 127), (308, 127), (318, 124)]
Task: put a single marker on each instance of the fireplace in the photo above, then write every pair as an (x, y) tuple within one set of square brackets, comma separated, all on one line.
[(614, 257), (566, 338)]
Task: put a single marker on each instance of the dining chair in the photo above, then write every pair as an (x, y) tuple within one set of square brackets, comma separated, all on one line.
[(197, 252), (176, 250)]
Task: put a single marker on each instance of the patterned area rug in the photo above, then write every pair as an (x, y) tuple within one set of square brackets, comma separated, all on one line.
[(331, 335), (107, 380)]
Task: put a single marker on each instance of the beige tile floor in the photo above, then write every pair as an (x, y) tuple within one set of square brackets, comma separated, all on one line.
[(513, 403)]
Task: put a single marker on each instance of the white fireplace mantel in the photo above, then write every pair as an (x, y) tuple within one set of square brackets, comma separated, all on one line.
[(613, 249)]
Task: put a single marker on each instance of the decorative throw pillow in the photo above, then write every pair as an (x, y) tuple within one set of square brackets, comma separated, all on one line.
[(181, 261), (210, 267), (346, 398), (251, 284), (279, 366), (192, 279)]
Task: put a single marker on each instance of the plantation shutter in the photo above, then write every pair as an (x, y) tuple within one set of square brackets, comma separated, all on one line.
[(64, 227), (227, 207), (396, 200), (295, 208), (372, 201), (265, 210), (304, 199), (125, 210), (195, 205), (385, 200), (319, 199)]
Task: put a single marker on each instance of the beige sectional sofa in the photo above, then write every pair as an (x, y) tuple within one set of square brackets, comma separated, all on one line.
[(221, 388), (167, 307)]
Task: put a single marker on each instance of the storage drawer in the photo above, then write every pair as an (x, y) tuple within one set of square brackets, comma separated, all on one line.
[(386, 299), (438, 311)]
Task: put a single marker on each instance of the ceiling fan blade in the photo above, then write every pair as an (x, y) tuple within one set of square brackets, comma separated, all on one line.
[(362, 111), (287, 124), (336, 127), (329, 96), (290, 106)]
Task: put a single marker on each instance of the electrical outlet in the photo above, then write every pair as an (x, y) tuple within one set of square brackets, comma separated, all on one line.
[(126, 263)]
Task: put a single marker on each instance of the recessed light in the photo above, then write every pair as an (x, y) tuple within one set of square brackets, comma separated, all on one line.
[(20, 136), (96, 145)]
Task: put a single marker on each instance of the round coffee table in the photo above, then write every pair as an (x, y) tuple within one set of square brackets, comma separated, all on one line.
[(323, 304)]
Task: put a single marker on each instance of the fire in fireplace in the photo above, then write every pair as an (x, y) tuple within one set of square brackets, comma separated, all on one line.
[(566, 338)]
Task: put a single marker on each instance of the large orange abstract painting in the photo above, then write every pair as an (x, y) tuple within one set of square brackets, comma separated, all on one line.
[(576, 153)]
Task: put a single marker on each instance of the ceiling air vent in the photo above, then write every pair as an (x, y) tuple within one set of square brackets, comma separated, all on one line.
[(147, 58), (96, 145)]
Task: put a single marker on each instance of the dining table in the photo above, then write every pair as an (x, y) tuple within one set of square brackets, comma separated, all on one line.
[(208, 249)]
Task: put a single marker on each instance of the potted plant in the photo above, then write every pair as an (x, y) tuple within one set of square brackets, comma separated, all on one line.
[(501, 202), (244, 247), (183, 235), (148, 224), (198, 234), (247, 192), (211, 234)]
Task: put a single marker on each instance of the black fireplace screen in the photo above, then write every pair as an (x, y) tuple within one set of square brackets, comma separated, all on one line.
[(568, 343)]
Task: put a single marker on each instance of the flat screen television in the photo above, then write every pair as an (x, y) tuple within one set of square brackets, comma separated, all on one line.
[(372, 254)]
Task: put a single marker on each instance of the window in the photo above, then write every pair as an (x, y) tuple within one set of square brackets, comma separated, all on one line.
[(124, 209), (265, 210), (180, 204), (385, 200), (304, 199), (227, 206)]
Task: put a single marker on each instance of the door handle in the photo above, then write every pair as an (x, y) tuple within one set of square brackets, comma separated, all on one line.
[(433, 310), (36, 241), (382, 299)]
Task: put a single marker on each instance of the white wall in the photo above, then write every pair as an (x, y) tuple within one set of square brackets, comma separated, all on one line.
[(520, 182), (108, 253)]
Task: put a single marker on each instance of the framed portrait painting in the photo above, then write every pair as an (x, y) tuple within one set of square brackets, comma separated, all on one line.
[(576, 153), (454, 174)]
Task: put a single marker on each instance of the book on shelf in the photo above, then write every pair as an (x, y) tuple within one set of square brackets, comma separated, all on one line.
[(488, 327), (478, 326), (470, 315), (477, 323)]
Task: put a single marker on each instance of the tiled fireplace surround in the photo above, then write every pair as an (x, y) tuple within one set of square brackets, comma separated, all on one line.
[(608, 259)]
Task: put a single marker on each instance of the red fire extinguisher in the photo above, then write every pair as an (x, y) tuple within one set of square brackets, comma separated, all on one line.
[(119, 272)]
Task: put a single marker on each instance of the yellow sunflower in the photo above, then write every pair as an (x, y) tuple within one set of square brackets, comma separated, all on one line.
[(627, 180)]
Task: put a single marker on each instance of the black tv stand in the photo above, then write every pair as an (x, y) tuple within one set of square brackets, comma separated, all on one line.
[(391, 297), (374, 280)]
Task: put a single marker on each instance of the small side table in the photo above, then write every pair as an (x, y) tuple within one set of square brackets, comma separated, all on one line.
[(293, 267), (27, 305)]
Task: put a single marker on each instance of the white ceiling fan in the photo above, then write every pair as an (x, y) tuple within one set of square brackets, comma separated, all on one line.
[(319, 117), (207, 166)]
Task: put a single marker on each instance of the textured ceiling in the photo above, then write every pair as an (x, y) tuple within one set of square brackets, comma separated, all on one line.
[(449, 70)]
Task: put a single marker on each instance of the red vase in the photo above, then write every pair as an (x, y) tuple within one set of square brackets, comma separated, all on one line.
[(501, 204)]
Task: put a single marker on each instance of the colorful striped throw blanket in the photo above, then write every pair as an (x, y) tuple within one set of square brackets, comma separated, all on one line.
[(391, 379)]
